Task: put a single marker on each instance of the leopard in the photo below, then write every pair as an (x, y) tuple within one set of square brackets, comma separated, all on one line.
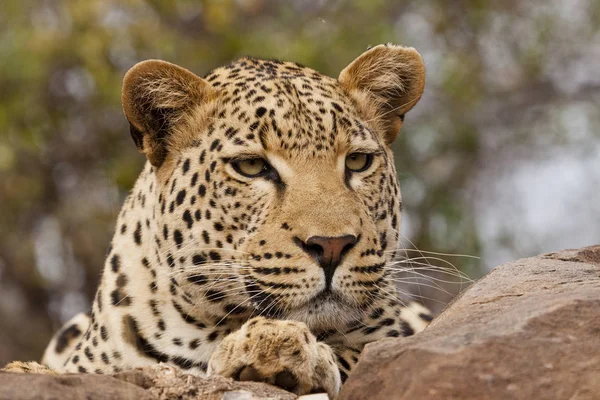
[(256, 241)]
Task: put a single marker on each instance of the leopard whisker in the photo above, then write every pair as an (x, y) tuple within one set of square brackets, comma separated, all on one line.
[(433, 252), (412, 282), (425, 267), (408, 260)]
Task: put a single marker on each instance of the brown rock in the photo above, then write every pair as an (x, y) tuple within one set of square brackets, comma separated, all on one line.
[(151, 383), (530, 329), (67, 387)]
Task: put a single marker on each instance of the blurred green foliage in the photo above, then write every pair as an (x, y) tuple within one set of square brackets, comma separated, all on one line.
[(67, 161)]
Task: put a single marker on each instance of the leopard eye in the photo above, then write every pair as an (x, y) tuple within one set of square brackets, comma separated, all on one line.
[(251, 168), (358, 162)]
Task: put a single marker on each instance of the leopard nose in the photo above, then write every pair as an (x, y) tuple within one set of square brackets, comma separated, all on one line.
[(328, 251)]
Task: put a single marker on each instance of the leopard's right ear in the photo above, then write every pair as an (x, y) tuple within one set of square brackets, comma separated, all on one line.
[(155, 95), (392, 77)]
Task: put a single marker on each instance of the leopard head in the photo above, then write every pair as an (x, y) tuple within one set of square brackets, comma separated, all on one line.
[(276, 191)]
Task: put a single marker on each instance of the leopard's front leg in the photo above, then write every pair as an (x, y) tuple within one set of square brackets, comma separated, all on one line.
[(283, 353)]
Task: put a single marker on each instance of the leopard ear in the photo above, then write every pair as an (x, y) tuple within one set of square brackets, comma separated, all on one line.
[(155, 95), (391, 78)]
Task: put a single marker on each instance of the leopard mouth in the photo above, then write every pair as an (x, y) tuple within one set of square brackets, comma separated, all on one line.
[(271, 303), (327, 310), (327, 295)]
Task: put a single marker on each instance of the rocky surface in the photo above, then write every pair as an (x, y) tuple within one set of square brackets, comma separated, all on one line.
[(156, 383), (530, 329)]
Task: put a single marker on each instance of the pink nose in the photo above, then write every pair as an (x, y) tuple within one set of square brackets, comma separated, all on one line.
[(328, 251)]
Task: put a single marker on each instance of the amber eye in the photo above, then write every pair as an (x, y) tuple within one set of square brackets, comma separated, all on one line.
[(359, 162), (251, 167)]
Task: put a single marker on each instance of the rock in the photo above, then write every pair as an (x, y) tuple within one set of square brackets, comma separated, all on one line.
[(16, 386), (530, 329), (149, 383), (316, 396), (171, 383)]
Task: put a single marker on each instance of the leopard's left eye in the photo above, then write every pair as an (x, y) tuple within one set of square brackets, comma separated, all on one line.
[(359, 162)]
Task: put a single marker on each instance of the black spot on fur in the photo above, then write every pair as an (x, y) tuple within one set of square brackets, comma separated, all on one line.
[(214, 144), (371, 329), (337, 107), (260, 111), (178, 238), (121, 280), (88, 354), (197, 259), (185, 363), (120, 298), (198, 279), (180, 197), (425, 317), (187, 217), (213, 336), (99, 299), (65, 337), (393, 333), (214, 295), (103, 333), (133, 336), (186, 317), (342, 361), (406, 329), (235, 309), (343, 375), (137, 234), (170, 260), (115, 263)]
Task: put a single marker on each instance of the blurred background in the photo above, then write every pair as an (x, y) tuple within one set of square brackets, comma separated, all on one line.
[(499, 160)]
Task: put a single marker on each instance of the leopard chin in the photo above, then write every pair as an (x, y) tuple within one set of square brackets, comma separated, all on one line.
[(326, 311)]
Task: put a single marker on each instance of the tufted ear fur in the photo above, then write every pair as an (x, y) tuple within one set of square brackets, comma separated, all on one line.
[(155, 95), (392, 78)]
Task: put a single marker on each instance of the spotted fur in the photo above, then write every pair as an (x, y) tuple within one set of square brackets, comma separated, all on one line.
[(211, 270)]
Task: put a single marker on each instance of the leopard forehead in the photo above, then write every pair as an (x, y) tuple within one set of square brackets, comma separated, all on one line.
[(282, 107)]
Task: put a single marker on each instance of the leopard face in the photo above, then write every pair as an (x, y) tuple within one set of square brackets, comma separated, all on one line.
[(276, 192)]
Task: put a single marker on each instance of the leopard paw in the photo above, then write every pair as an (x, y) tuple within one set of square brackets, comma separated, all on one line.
[(282, 353), (30, 367)]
